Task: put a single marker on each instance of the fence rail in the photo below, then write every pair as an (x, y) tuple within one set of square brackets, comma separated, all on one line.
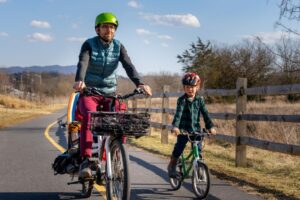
[(232, 116), (241, 140), (267, 90)]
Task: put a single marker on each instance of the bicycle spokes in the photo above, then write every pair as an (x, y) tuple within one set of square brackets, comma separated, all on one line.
[(200, 180), (118, 174), (201, 175)]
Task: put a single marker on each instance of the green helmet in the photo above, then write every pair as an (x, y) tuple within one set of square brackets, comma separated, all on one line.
[(106, 18)]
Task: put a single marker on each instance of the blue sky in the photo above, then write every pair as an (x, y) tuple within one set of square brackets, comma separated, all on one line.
[(50, 32)]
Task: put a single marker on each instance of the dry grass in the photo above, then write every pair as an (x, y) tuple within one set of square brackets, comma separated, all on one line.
[(281, 132), (272, 175), (14, 110), (13, 102)]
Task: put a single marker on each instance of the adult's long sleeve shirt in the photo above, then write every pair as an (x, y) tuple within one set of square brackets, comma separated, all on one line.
[(84, 58)]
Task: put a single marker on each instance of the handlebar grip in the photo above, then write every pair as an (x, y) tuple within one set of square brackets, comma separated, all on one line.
[(139, 91)]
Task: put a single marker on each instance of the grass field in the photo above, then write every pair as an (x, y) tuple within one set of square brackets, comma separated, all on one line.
[(14, 110), (282, 132), (271, 175)]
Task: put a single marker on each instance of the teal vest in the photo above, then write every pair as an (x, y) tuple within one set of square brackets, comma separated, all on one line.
[(101, 72)]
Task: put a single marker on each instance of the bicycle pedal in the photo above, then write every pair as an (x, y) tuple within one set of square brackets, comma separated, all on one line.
[(100, 181), (74, 182), (93, 159), (88, 179)]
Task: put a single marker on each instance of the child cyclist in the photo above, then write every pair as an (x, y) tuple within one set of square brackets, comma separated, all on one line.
[(187, 117)]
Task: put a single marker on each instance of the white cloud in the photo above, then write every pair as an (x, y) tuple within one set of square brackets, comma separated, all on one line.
[(165, 37), (76, 39), (141, 31), (3, 34), (164, 45), (40, 37), (40, 24), (3, 1), (270, 37), (186, 20), (133, 4)]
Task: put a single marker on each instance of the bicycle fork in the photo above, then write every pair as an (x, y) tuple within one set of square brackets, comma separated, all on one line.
[(196, 161), (108, 159), (107, 152)]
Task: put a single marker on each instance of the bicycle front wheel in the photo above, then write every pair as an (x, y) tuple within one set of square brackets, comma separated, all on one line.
[(119, 186), (201, 180)]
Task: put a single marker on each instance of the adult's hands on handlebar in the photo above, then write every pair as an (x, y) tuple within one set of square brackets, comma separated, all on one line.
[(79, 85), (147, 89), (93, 91)]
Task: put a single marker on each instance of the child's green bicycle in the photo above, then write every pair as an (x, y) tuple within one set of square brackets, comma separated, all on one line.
[(200, 176)]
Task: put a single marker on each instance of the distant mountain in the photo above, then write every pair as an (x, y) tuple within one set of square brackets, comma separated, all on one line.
[(39, 69)]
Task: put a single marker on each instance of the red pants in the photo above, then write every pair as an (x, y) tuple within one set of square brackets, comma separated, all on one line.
[(86, 104), (90, 103)]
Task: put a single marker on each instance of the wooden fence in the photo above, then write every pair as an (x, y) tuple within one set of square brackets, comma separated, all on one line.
[(241, 140)]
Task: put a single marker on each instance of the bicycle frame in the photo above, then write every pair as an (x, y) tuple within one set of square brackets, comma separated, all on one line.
[(200, 173), (195, 155)]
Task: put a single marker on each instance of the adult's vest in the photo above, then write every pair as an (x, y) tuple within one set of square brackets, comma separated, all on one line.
[(101, 72)]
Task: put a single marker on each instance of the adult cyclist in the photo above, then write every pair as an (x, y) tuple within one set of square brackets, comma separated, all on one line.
[(98, 61)]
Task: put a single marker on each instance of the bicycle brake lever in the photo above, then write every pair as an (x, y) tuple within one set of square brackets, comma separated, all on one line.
[(139, 91)]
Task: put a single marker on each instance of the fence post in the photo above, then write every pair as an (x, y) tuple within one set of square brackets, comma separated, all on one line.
[(165, 115), (241, 102), (148, 107)]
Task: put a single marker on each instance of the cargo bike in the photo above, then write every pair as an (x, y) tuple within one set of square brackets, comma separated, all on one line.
[(110, 160)]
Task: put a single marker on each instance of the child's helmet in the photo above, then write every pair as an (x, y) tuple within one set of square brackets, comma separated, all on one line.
[(191, 79), (106, 18)]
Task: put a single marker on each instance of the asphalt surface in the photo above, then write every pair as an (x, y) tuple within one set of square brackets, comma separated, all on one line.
[(25, 170)]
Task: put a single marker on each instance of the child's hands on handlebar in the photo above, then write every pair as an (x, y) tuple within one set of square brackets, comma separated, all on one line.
[(212, 131), (175, 131)]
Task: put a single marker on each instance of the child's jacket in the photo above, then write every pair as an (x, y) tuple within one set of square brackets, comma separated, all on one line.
[(187, 116)]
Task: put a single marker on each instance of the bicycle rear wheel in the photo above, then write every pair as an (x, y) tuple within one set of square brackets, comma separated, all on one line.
[(201, 180), (119, 186), (176, 182)]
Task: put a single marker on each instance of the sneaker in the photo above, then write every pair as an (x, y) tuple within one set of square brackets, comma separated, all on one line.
[(172, 167), (85, 170), (172, 171)]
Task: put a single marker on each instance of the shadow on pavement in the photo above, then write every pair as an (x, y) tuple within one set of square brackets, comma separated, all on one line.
[(24, 130), (140, 192), (60, 134), (156, 193), (39, 195)]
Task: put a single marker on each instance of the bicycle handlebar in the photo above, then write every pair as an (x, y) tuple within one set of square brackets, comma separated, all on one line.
[(204, 132), (95, 91)]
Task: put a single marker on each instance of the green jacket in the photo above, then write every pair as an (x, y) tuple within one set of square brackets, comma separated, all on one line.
[(187, 116)]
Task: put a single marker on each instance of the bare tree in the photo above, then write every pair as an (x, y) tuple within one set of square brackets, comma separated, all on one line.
[(158, 80), (5, 82), (289, 60), (220, 66), (290, 10)]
